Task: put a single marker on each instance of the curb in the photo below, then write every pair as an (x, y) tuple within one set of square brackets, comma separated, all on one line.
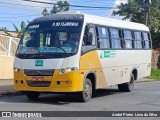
[(146, 80)]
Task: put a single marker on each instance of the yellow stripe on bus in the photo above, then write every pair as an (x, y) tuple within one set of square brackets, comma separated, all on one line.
[(91, 61)]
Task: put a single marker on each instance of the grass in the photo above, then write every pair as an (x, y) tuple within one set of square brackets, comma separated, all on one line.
[(155, 75)]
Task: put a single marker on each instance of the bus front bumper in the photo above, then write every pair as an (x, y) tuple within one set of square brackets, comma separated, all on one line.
[(69, 82)]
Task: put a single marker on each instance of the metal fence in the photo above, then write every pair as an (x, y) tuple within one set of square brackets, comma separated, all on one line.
[(8, 45)]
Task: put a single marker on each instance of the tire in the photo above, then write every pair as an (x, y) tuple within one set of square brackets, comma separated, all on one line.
[(32, 95), (127, 87), (86, 94)]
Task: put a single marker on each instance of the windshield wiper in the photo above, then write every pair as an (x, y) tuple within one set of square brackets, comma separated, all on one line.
[(40, 54), (61, 49)]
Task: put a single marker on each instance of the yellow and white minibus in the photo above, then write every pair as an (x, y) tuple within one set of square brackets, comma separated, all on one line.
[(72, 52)]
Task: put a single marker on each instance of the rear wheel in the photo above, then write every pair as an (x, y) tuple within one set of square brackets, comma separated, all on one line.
[(86, 94), (32, 95), (127, 87)]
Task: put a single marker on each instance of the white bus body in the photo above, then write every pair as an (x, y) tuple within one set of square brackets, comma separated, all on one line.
[(109, 52)]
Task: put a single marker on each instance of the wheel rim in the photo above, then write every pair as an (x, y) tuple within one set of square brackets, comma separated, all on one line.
[(87, 91)]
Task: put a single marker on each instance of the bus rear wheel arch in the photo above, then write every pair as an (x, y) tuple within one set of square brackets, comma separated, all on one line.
[(135, 73), (127, 87)]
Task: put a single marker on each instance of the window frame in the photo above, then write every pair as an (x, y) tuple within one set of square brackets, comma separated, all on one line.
[(132, 39), (121, 39), (98, 37), (136, 40), (149, 40)]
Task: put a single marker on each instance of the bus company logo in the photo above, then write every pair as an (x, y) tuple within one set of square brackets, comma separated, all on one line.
[(6, 114), (38, 72), (107, 54)]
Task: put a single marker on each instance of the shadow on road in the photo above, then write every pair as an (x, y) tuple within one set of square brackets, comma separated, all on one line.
[(56, 99)]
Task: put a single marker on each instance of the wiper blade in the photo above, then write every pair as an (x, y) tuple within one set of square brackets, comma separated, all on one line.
[(33, 55), (61, 49)]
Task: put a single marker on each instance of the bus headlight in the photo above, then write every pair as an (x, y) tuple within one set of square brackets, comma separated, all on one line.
[(67, 70), (17, 70)]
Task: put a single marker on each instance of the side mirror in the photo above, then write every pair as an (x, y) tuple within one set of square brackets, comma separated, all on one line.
[(84, 40), (89, 38)]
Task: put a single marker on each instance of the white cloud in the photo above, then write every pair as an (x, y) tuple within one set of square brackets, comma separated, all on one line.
[(117, 2)]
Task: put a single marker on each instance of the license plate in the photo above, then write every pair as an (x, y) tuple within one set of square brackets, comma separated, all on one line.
[(37, 78)]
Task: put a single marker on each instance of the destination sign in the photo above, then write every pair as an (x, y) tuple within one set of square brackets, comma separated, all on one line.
[(66, 24)]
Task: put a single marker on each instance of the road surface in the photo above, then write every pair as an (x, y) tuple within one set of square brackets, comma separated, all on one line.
[(144, 97)]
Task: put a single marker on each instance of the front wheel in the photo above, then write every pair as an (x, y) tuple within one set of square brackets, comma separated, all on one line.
[(32, 95), (86, 94), (127, 87)]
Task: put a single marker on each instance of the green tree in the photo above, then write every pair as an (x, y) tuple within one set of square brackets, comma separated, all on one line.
[(3, 29), (45, 12), (130, 11), (133, 10), (20, 31), (60, 6)]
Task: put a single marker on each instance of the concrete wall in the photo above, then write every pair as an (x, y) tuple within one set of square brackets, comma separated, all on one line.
[(6, 67)]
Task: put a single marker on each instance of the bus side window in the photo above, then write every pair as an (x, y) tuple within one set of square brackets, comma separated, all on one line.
[(115, 38), (138, 40), (103, 37), (146, 40), (128, 39), (89, 40)]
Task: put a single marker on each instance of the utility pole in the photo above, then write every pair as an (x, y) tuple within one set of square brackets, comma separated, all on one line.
[(147, 4)]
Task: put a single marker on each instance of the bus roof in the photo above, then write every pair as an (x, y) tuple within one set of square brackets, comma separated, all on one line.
[(94, 20), (115, 23)]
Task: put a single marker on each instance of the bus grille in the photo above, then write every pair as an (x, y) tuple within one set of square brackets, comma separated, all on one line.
[(38, 83), (46, 72)]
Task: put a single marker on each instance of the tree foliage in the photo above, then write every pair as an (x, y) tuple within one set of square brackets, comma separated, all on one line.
[(60, 6), (134, 11), (45, 12), (20, 31), (3, 29)]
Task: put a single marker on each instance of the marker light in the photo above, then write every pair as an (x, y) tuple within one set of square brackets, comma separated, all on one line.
[(17, 70)]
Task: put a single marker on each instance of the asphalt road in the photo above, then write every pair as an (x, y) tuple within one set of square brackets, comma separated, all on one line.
[(144, 97)]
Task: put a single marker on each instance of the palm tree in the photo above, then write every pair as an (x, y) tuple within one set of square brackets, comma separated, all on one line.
[(20, 31), (3, 29)]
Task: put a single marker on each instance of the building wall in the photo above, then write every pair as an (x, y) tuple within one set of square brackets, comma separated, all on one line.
[(6, 67), (155, 56)]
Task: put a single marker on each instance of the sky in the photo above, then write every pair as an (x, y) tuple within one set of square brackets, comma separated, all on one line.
[(15, 11)]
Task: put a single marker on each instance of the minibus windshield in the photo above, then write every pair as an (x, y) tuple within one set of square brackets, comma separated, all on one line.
[(50, 39)]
